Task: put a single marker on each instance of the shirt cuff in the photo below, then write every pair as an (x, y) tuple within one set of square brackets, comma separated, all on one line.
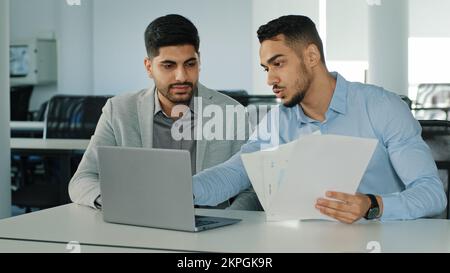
[(392, 207)]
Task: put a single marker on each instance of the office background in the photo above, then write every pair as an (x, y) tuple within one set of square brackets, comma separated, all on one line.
[(101, 47), (5, 181)]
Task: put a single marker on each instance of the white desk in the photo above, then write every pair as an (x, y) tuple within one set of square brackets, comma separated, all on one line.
[(27, 126), (48, 144), (85, 225), (19, 246)]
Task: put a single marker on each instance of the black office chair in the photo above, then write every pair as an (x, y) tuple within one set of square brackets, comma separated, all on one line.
[(407, 100), (39, 115), (67, 116), (73, 117), (436, 134), (257, 105), (20, 101), (433, 94), (238, 94), (433, 101), (245, 99)]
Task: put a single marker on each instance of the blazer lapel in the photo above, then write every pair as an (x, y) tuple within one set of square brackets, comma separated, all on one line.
[(145, 115), (145, 112), (202, 144)]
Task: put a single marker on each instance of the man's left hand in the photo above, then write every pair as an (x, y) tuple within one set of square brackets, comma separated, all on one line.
[(347, 208)]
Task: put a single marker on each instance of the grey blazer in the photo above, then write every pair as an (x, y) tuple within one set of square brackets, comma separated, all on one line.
[(127, 120)]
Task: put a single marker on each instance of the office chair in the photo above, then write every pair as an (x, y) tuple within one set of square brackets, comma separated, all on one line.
[(20, 101), (433, 101), (433, 94), (67, 116), (407, 100), (73, 117), (436, 134), (238, 94), (245, 99), (258, 106)]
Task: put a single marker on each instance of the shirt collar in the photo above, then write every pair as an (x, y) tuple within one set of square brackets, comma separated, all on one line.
[(338, 102), (158, 107)]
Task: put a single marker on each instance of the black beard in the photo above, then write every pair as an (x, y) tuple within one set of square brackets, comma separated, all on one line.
[(295, 100)]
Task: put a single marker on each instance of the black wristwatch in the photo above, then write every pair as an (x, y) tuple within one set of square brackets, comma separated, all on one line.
[(374, 209)]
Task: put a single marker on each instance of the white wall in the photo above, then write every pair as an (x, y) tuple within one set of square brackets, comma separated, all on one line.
[(429, 43), (119, 49), (29, 19), (5, 171), (347, 26), (101, 46), (388, 45), (72, 27), (347, 38), (429, 18), (75, 66)]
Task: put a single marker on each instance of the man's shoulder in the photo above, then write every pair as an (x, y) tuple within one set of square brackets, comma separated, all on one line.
[(129, 97), (372, 94), (382, 106), (127, 105), (215, 97)]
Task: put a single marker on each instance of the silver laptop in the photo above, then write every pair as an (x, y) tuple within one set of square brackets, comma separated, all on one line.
[(150, 187)]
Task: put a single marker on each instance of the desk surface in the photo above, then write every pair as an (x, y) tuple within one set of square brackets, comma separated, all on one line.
[(48, 144), (19, 246), (28, 126), (253, 234)]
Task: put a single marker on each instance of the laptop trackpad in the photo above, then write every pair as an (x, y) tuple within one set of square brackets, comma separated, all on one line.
[(208, 222)]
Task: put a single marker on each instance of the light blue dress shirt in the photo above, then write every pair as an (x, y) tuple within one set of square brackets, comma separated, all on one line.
[(401, 170)]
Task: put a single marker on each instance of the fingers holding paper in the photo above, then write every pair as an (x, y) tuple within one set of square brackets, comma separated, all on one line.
[(344, 207)]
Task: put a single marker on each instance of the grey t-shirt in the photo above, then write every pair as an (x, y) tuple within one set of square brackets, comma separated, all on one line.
[(162, 130)]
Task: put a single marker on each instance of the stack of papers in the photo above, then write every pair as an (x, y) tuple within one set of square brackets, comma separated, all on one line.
[(289, 179)]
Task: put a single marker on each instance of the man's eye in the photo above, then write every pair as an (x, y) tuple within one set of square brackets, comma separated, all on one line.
[(192, 64), (168, 66), (277, 64)]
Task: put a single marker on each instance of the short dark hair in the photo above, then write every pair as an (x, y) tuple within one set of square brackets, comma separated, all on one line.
[(170, 30), (296, 28)]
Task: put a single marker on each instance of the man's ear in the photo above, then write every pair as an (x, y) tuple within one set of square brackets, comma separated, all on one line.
[(199, 62), (312, 55), (148, 67)]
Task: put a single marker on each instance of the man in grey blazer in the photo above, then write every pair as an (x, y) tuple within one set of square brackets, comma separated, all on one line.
[(147, 118)]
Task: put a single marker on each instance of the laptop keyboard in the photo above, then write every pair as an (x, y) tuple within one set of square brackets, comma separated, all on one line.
[(201, 221)]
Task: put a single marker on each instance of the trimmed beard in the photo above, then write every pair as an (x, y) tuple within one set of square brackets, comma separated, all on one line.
[(302, 88)]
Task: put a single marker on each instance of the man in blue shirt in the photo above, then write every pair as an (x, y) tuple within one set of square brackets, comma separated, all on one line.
[(401, 180)]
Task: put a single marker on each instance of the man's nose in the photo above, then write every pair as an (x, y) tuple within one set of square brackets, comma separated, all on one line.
[(272, 78), (181, 75)]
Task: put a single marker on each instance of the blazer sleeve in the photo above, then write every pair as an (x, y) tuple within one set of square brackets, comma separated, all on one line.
[(84, 187)]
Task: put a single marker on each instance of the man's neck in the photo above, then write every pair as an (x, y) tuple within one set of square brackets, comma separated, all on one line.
[(318, 97), (166, 105)]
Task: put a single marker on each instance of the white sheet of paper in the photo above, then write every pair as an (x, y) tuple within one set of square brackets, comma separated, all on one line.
[(319, 164), (266, 170), (274, 169), (289, 179), (253, 166)]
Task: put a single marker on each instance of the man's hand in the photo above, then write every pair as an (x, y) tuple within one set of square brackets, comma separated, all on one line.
[(347, 208)]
